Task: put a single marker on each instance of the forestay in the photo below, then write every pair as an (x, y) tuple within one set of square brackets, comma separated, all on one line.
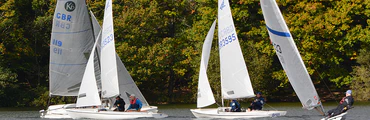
[(108, 55), (288, 55), (88, 93), (71, 43), (235, 81), (205, 95)]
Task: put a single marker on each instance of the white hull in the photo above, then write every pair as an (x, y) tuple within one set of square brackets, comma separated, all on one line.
[(217, 113), (56, 111), (95, 114), (59, 111), (338, 117)]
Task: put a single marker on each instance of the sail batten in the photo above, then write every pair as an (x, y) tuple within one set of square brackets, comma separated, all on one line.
[(289, 55)]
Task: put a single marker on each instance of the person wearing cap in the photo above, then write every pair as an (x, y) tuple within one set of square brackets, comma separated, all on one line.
[(135, 104), (120, 103), (345, 104), (235, 106), (257, 103)]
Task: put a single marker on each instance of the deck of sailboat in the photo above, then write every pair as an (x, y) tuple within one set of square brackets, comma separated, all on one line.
[(96, 114), (216, 113)]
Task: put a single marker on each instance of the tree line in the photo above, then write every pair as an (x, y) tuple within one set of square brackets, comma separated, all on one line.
[(160, 43)]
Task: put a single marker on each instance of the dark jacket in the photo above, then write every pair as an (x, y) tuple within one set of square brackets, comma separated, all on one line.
[(258, 103), (235, 106), (120, 103)]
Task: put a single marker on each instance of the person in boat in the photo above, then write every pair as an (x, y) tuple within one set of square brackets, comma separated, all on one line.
[(344, 104), (135, 104), (120, 103), (235, 106), (257, 103)]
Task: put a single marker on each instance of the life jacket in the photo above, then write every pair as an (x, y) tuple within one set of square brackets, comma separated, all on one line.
[(133, 103)]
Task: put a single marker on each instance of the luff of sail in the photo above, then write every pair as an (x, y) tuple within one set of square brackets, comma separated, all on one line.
[(289, 56), (88, 94), (71, 42), (108, 55), (235, 81), (205, 95)]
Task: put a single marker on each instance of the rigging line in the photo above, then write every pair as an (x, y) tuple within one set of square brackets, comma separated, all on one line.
[(271, 106), (327, 87)]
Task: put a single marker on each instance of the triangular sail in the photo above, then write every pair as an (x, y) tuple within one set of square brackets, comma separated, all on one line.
[(71, 43), (235, 81), (88, 94), (205, 94), (108, 55), (289, 56)]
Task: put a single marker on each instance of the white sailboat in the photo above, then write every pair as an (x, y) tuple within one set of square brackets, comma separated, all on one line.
[(71, 40), (68, 84), (291, 60), (289, 56), (111, 85), (235, 81)]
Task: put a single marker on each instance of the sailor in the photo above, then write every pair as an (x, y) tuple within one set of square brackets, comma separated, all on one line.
[(235, 106), (135, 104), (120, 103), (257, 103), (345, 104)]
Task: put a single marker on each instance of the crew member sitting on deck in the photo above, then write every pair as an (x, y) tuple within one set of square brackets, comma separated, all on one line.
[(120, 103), (235, 106), (345, 104), (135, 104), (258, 102)]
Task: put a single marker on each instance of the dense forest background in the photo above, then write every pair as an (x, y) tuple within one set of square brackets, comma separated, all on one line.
[(160, 41)]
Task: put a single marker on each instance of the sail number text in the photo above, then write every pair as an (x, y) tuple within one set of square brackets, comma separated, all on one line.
[(107, 40), (57, 50), (277, 47), (63, 20), (227, 40)]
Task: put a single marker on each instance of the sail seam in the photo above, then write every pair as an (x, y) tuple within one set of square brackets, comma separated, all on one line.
[(71, 32)]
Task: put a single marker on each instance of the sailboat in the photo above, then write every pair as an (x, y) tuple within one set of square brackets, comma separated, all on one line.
[(71, 40), (289, 56), (235, 81), (66, 77), (291, 60), (111, 86)]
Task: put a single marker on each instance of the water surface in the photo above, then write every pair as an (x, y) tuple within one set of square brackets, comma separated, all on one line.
[(361, 111)]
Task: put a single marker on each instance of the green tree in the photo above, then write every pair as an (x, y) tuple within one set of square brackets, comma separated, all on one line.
[(361, 76)]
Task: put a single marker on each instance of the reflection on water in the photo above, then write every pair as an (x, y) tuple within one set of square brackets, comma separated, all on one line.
[(361, 111)]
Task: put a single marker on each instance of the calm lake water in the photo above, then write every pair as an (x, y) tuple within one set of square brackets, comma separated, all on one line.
[(361, 111)]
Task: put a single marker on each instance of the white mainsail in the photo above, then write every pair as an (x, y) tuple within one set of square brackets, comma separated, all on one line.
[(88, 93), (71, 42), (235, 81), (288, 55), (205, 94), (109, 74)]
